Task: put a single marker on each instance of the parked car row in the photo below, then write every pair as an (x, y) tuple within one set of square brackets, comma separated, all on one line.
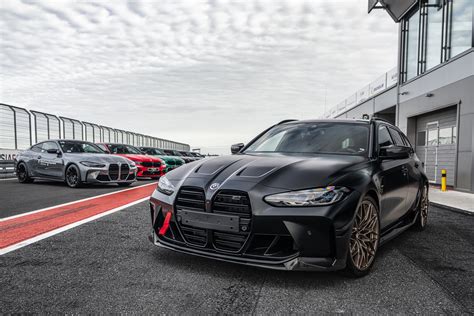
[(80, 162)]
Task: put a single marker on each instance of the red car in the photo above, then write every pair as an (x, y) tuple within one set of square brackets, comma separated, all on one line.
[(147, 166)]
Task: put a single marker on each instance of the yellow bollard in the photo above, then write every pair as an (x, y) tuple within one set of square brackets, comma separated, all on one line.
[(443, 180)]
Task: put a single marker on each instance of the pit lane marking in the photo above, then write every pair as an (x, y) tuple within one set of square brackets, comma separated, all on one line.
[(19, 231), (72, 202), (30, 241)]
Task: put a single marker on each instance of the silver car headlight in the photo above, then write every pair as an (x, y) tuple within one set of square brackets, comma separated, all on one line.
[(165, 186), (310, 197), (92, 164)]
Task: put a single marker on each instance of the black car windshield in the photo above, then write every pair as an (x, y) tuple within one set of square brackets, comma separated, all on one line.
[(123, 149), (173, 152), (79, 147), (156, 151), (314, 138)]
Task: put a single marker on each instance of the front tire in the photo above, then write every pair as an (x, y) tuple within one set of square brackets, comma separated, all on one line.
[(364, 241), (422, 217), (73, 177), (22, 174)]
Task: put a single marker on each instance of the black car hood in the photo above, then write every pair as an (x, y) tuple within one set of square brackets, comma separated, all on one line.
[(289, 172)]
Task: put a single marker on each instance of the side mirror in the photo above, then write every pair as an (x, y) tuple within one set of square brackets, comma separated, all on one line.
[(234, 149), (53, 151), (394, 152)]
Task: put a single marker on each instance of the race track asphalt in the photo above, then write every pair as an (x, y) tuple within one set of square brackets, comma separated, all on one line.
[(17, 198), (109, 266)]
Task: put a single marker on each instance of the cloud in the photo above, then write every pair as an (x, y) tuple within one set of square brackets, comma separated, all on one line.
[(208, 73)]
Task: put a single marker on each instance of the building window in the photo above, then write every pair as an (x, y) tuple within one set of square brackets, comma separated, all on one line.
[(421, 138), (434, 28), (461, 28), (454, 134), (412, 46), (433, 137), (436, 31), (445, 136)]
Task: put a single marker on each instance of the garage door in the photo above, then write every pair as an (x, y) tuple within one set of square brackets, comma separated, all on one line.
[(436, 143)]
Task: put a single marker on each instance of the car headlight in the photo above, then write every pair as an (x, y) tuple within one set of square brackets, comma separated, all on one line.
[(132, 164), (311, 197), (138, 163), (92, 164), (165, 186)]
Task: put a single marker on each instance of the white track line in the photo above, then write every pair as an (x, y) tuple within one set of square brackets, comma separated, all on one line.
[(69, 203), (67, 227), (8, 179)]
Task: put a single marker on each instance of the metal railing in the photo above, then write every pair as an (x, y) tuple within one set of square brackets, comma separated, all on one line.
[(382, 83), (20, 128)]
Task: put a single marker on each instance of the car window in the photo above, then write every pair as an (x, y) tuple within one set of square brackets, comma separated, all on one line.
[(396, 137), (123, 149), (79, 147), (37, 148), (405, 140), (313, 138), (384, 137), (103, 147), (49, 145), (118, 149)]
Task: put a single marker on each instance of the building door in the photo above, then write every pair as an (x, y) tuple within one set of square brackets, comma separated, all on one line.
[(436, 144)]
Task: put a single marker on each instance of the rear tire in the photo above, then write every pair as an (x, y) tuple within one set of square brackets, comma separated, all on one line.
[(22, 173), (423, 207), (126, 184), (73, 177), (364, 241)]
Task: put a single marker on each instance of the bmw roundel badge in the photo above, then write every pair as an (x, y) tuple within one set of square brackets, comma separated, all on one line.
[(214, 186)]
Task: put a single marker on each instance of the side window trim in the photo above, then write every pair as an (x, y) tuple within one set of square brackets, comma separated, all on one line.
[(389, 135), (393, 131)]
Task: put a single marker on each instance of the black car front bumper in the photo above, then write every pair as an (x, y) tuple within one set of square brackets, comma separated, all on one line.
[(282, 238)]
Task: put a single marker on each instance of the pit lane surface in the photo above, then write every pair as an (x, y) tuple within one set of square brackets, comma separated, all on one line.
[(109, 266), (18, 198)]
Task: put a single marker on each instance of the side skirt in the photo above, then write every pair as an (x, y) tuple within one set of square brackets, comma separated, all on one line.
[(406, 222)]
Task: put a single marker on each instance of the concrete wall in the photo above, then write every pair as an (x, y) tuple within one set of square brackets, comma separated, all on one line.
[(449, 84), (462, 93), (377, 103)]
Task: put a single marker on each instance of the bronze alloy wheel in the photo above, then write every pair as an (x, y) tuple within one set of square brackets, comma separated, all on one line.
[(424, 207), (365, 236)]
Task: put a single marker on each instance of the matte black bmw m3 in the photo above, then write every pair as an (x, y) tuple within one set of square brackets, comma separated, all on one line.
[(302, 195)]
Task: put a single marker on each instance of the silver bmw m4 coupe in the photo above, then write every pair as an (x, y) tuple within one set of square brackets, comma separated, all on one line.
[(74, 162)]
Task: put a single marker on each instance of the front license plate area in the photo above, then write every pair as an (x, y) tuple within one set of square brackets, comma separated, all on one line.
[(226, 223)]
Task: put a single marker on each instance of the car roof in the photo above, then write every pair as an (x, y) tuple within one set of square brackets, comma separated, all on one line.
[(66, 140), (106, 143), (360, 121)]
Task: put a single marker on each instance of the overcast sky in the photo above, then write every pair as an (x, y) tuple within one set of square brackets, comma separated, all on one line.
[(208, 73)]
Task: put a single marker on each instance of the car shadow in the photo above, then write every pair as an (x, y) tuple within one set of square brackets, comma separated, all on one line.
[(290, 279)]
